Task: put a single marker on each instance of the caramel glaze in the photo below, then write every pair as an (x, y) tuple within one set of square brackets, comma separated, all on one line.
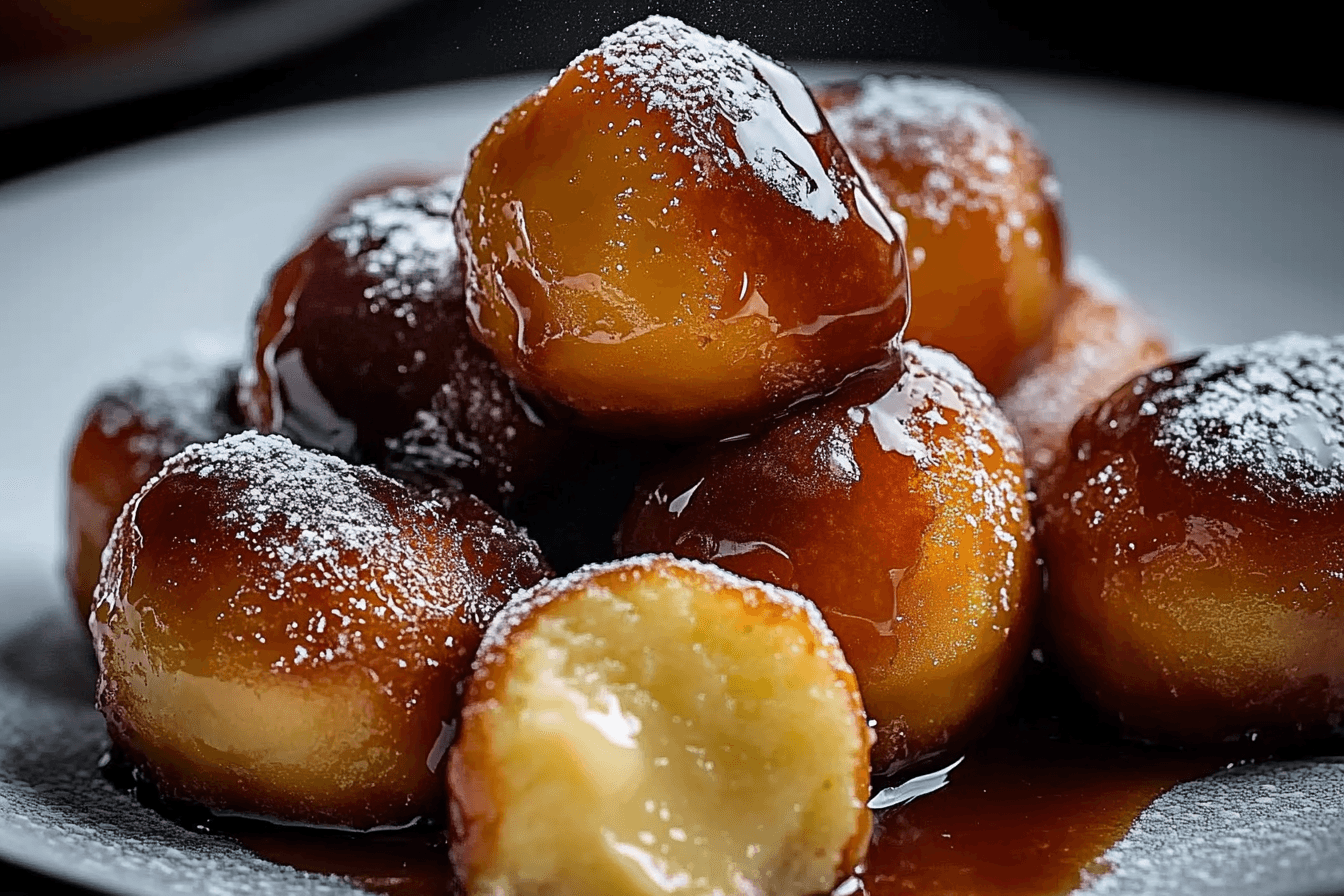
[(779, 284), (898, 506), (1029, 812), (120, 446), (1035, 805), (1194, 566), (396, 382)]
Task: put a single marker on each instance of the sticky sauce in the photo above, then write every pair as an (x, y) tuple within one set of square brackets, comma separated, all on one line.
[(1027, 813)]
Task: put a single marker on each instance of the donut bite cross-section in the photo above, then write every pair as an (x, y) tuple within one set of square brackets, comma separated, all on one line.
[(281, 634), (659, 726), (668, 239)]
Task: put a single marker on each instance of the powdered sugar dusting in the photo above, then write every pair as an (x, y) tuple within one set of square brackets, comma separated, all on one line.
[(939, 415), (494, 646), (934, 384), (177, 399), (306, 522), (728, 106), (1273, 828), (404, 238), (1272, 410), (971, 143)]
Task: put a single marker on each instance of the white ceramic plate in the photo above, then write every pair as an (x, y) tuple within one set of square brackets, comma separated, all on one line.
[(211, 44), (1223, 219)]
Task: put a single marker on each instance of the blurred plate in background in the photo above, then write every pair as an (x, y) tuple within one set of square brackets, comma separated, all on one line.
[(58, 57)]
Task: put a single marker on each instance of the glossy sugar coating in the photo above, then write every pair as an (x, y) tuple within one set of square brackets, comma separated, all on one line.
[(129, 431), (362, 349), (282, 634), (985, 240), (668, 238), (659, 726), (899, 506), (1098, 340), (1192, 537)]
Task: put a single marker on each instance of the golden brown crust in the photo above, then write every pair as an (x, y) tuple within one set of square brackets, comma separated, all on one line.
[(985, 233), (1098, 340), (1191, 533), (899, 506), (127, 434), (668, 239), (282, 634)]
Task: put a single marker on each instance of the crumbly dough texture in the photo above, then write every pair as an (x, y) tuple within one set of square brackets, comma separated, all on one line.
[(659, 726)]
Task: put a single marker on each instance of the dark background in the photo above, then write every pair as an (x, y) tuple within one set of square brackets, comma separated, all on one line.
[(1281, 53)]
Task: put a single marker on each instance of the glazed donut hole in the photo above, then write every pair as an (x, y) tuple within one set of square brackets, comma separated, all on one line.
[(362, 349), (281, 634), (1191, 533), (898, 505), (131, 428), (669, 239), (1098, 340), (984, 237), (657, 725)]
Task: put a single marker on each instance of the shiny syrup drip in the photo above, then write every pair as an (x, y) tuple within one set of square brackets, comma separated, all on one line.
[(1029, 812), (1023, 815)]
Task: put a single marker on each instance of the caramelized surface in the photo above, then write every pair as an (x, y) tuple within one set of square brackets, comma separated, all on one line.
[(1192, 538), (984, 238), (657, 726), (362, 349), (899, 507), (282, 634), (669, 238), (127, 434), (1098, 341)]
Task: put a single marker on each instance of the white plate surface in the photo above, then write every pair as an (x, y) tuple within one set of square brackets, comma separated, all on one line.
[(1223, 219)]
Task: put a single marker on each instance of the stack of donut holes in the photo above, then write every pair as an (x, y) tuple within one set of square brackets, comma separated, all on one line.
[(798, 393)]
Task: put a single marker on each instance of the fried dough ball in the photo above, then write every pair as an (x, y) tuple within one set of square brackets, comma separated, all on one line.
[(130, 430), (985, 240), (669, 239), (362, 349), (282, 634), (659, 726), (898, 505), (1097, 341), (1192, 536)]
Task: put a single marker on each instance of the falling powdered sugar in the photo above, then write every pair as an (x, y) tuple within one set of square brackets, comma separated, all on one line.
[(1272, 411), (711, 88)]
